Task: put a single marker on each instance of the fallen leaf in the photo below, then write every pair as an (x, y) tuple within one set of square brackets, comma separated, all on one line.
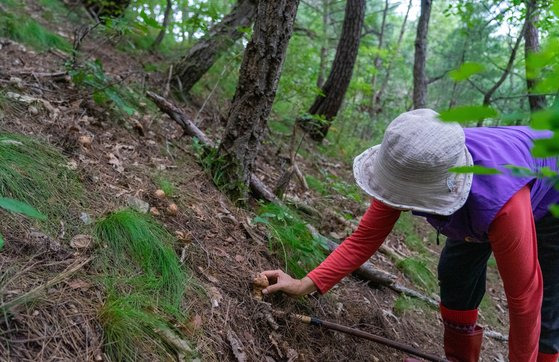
[(79, 284), (239, 258), (81, 241), (236, 346), (115, 162)]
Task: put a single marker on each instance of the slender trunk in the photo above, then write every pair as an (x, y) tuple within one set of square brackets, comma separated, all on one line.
[(378, 61), (207, 50), (327, 105), (166, 18), (487, 96), (325, 43), (419, 77), (380, 93), (452, 101), (256, 90), (532, 45)]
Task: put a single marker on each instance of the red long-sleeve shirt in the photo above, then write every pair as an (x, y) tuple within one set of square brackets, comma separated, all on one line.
[(513, 240)]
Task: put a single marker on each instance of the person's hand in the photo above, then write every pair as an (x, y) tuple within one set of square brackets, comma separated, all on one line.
[(280, 281)]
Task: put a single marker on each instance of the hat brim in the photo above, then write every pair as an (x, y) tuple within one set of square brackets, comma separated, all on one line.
[(443, 204)]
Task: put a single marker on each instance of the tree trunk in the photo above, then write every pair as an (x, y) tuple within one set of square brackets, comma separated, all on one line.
[(327, 105), (532, 45), (379, 94), (378, 61), (419, 77), (166, 18), (256, 89), (325, 43), (207, 50)]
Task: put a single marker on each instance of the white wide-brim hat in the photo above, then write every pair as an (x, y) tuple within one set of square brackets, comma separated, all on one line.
[(410, 168)]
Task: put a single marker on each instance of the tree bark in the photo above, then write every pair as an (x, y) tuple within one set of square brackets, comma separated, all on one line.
[(419, 77), (166, 18), (207, 50), (325, 43), (532, 45), (256, 90), (327, 105)]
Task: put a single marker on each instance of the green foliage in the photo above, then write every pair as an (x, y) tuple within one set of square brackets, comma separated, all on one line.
[(36, 174), (221, 168), (291, 239), (19, 207), (478, 170), (334, 184), (26, 30), (554, 210), (465, 71), (418, 271), (131, 235), (468, 114), (104, 90)]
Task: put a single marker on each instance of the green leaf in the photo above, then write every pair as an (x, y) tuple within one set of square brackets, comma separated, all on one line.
[(1, 242), (546, 147), (546, 119), (465, 71), (467, 114), (478, 170), (554, 210), (19, 207), (518, 171), (555, 8), (149, 21)]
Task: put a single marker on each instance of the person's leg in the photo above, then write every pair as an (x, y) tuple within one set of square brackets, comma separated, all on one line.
[(547, 231), (462, 271)]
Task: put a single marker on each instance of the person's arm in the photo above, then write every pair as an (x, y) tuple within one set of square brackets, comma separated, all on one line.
[(373, 229), (513, 240)]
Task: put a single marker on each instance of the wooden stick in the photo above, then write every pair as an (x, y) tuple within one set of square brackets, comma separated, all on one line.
[(362, 334)]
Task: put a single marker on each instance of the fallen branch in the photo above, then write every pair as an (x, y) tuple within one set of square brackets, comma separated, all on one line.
[(33, 293), (366, 272), (184, 351)]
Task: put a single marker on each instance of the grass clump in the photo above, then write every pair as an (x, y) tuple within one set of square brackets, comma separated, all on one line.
[(26, 30), (405, 303), (145, 283), (137, 237), (37, 174), (406, 227), (167, 186), (291, 239), (129, 328), (418, 271)]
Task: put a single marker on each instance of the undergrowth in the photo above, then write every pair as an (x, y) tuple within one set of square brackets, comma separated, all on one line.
[(37, 174), (291, 240), (24, 29), (145, 282), (137, 237)]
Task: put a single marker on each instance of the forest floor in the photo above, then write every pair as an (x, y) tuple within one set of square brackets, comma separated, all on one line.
[(121, 162)]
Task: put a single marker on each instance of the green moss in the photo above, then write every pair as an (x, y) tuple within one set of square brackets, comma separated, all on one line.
[(135, 237), (37, 174), (291, 239)]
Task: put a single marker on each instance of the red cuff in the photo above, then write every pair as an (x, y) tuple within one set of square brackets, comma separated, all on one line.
[(544, 357), (463, 317)]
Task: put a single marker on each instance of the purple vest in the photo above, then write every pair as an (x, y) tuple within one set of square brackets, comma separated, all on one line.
[(497, 147)]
